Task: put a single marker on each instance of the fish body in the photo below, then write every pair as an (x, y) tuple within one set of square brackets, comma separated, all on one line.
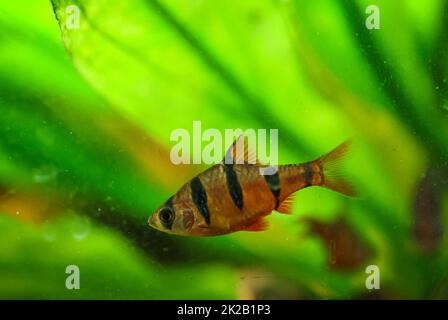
[(231, 197)]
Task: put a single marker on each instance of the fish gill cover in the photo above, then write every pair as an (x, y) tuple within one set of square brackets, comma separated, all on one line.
[(91, 90)]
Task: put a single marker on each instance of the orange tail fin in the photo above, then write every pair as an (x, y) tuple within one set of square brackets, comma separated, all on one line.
[(331, 165)]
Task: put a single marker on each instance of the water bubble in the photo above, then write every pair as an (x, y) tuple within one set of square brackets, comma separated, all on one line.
[(80, 227), (80, 236), (48, 232), (445, 105), (45, 174)]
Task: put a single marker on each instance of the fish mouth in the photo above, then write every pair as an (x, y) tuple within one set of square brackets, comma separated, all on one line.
[(152, 222)]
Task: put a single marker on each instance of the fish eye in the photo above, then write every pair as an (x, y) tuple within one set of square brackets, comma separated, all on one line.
[(166, 216)]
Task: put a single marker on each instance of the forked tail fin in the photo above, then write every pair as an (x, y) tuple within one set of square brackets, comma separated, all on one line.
[(332, 164)]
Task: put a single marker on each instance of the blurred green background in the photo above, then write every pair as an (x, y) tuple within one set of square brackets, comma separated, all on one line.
[(85, 120)]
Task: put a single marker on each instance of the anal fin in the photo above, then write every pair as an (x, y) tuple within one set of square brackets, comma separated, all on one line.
[(286, 205)]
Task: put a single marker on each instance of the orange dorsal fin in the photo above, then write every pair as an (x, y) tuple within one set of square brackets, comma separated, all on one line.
[(241, 152), (260, 224), (286, 205)]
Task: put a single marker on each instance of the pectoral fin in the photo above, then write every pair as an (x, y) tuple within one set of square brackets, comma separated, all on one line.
[(260, 224)]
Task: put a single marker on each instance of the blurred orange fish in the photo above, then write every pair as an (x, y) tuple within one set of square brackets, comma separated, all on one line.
[(231, 197)]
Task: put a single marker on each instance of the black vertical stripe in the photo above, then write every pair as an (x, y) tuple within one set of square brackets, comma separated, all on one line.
[(308, 174), (199, 197), (234, 186), (273, 182)]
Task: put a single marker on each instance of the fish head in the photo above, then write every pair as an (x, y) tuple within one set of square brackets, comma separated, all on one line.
[(178, 218)]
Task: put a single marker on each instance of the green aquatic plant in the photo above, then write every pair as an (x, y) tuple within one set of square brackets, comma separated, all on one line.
[(86, 113)]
